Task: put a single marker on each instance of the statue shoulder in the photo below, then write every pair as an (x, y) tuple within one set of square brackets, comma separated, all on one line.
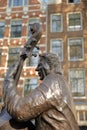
[(50, 79)]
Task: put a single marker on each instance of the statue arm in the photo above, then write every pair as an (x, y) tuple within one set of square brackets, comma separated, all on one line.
[(29, 107)]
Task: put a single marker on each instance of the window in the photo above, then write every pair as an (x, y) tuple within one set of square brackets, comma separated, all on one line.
[(16, 28), (83, 127), (75, 49), (82, 115), (29, 85), (74, 1), (2, 27), (57, 48), (0, 55), (13, 3), (56, 23), (31, 21), (77, 82), (86, 115), (13, 55), (33, 61), (74, 22)]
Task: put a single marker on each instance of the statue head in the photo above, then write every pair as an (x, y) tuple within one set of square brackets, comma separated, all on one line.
[(48, 63)]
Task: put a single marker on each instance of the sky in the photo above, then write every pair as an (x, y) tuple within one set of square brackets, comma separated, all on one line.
[(46, 0)]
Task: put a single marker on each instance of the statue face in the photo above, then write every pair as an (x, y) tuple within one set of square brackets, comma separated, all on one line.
[(43, 68)]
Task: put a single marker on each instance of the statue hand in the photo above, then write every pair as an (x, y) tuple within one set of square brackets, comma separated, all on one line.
[(36, 33), (23, 54)]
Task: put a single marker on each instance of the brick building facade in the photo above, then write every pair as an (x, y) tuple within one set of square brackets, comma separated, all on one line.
[(67, 37)]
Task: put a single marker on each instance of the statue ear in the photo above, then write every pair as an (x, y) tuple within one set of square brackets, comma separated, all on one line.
[(47, 66)]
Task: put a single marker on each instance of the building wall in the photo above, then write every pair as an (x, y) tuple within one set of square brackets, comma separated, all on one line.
[(64, 8), (33, 10)]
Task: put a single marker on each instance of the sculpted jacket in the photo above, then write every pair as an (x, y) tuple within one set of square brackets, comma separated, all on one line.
[(50, 104)]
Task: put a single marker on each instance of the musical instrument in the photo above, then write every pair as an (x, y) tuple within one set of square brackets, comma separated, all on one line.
[(6, 121)]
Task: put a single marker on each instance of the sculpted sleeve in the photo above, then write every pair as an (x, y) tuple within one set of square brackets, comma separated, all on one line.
[(25, 108)]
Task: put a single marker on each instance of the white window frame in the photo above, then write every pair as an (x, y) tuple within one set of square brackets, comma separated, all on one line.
[(74, 69), (61, 22), (12, 53), (11, 27), (16, 6), (61, 46), (73, 28), (76, 38)]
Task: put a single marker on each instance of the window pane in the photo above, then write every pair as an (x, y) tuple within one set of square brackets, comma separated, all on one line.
[(75, 49), (56, 23), (57, 48), (17, 2), (81, 115), (10, 3), (74, 22), (77, 82), (34, 60), (13, 55), (16, 28), (25, 2), (29, 85), (2, 27), (77, 1), (86, 115)]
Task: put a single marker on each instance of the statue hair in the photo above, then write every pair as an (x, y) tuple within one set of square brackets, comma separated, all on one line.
[(53, 61)]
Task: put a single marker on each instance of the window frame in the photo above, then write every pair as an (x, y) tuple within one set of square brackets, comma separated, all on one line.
[(61, 47), (74, 28), (76, 38), (11, 4), (12, 54), (84, 71), (12, 33), (2, 27), (56, 14)]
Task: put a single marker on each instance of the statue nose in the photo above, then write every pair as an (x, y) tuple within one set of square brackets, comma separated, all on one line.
[(38, 68)]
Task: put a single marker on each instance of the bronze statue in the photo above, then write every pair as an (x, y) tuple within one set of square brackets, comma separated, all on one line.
[(6, 121), (50, 104)]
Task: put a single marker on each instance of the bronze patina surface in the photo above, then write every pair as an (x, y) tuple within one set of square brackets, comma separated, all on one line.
[(50, 104)]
